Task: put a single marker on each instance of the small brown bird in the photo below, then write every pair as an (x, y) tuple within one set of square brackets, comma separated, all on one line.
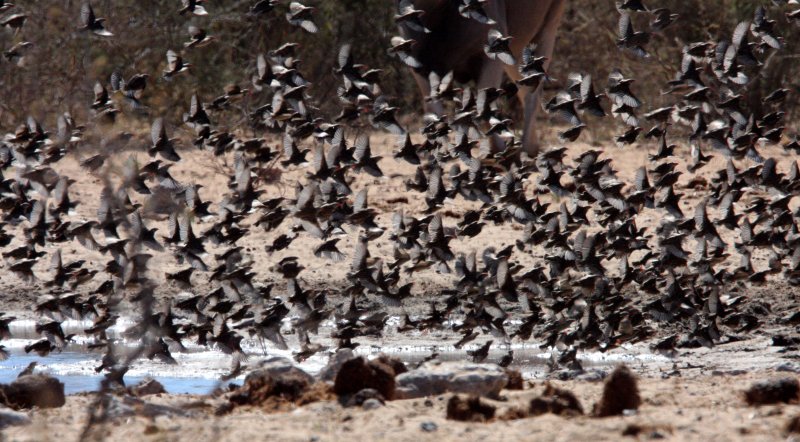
[(15, 22), (401, 47), (162, 144), (93, 23), (301, 15), (198, 38), (498, 48), (194, 7), (481, 353), (175, 65)]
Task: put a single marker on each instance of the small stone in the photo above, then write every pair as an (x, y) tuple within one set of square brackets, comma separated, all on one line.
[(428, 427), (147, 387), (787, 367), (151, 429), (362, 396), (371, 404), (9, 417)]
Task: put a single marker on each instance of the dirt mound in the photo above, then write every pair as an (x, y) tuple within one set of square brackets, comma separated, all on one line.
[(773, 391), (277, 393), (557, 401), (793, 426), (34, 390), (620, 393), (515, 381), (470, 409), (357, 374)]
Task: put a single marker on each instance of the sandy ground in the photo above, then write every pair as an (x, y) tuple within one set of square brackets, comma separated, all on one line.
[(386, 194), (699, 400), (707, 407)]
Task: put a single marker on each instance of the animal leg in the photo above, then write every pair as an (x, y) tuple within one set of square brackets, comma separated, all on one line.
[(430, 106), (492, 76), (545, 43)]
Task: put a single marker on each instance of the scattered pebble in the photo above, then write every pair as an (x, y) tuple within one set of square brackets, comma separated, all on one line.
[(372, 404), (428, 427)]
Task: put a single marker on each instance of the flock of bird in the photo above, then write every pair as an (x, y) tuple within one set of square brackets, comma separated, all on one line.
[(603, 280)]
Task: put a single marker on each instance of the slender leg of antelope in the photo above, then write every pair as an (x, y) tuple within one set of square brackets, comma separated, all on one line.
[(545, 41), (492, 76), (431, 106)]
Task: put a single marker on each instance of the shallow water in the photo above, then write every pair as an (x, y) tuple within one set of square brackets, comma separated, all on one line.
[(70, 368), (198, 369)]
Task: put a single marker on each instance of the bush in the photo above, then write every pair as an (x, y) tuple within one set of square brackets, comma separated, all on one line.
[(64, 64)]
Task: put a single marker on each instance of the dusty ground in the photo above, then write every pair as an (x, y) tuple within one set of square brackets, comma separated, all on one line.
[(692, 407), (701, 400), (387, 194)]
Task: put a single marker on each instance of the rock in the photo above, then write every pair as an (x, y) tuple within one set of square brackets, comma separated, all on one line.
[(364, 395), (428, 427), (590, 375), (642, 431), (128, 406), (469, 409), (785, 341), (620, 393), (773, 391), (435, 377), (357, 374), (557, 401), (279, 366), (9, 418), (328, 373), (372, 404), (36, 390), (147, 387), (791, 368)]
